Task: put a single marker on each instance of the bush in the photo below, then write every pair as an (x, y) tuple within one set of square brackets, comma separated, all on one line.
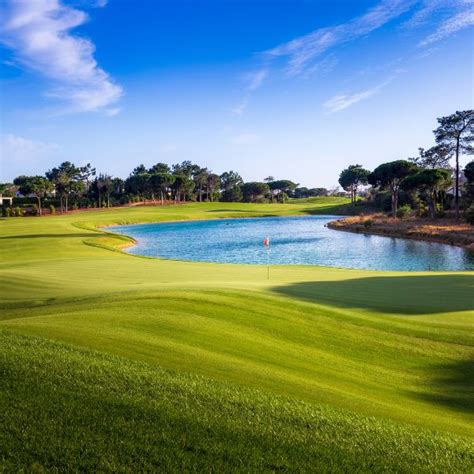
[(52, 209), (422, 210), (34, 210), (404, 211), (23, 201), (383, 201), (124, 200), (18, 211), (469, 214), (439, 211), (368, 223), (7, 211)]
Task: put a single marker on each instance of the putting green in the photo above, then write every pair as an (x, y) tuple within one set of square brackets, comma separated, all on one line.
[(395, 346)]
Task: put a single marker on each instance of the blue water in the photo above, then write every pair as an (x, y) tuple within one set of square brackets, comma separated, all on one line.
[(294, 241)]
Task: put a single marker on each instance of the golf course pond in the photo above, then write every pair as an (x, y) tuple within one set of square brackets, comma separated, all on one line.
[(298, 240)]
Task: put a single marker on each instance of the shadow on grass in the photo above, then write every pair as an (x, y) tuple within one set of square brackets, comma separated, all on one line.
[(418, 294), (47, 236), (339, 209), (240, 211), (453, 386)]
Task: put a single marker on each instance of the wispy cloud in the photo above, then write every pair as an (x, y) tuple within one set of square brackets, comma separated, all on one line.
[(252, 80), (426, 10), (112, 112), (302, 51), (445, 16), (451, 25), (255, 79), (239, 109), (316, 52), (39, 33), (343, 101), (19, 149), (245, 139)]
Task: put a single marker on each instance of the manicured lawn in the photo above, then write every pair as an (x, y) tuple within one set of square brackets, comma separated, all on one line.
[(214, 366)]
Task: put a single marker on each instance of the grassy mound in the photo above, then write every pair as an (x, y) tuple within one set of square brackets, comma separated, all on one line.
[(376, 368), (77, 410)]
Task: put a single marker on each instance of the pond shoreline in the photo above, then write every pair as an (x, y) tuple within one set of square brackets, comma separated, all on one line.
[(441, 231), (301, 240)]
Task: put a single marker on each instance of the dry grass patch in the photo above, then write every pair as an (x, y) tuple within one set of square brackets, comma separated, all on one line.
[(445, 231)]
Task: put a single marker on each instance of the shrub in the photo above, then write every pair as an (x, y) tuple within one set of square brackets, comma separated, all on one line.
[(7, 211), (469, 214), (52, 209), (383, 201), (34, 210), (368, 223), (18, 211), (422, 210), (403, 211), (124, 200), (439, 211)]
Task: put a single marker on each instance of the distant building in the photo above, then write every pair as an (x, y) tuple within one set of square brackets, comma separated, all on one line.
[(6, 200), (462, 181)]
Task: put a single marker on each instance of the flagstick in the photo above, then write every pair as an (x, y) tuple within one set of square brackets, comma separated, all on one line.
[(268, 264), (266, 245)]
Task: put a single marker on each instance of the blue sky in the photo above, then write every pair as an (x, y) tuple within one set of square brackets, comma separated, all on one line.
[(296, 89)]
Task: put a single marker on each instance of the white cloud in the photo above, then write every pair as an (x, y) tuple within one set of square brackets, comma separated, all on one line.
[(245, 139), (240, 108), (20, 149), (112, 112), (451, 25), (39, 33), (302, 51), (314, 52), (343, 101), (426, 10), (255, 79), (446, 17)]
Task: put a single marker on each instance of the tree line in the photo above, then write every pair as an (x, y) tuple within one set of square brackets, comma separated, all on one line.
[(419, 182), (72, 187), (422, 181)]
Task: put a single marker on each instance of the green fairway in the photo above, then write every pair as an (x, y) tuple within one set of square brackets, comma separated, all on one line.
[(214, 365)]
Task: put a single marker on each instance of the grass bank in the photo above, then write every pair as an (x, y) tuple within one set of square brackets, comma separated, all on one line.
[(77, 410), (214, 365)]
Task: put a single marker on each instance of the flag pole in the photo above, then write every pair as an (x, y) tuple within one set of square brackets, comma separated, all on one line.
[(266, 245), (268, 263)]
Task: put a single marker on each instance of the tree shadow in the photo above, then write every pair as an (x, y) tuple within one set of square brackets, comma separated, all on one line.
[(453, 386), (239, 211), (330, 209), (411, 295)]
